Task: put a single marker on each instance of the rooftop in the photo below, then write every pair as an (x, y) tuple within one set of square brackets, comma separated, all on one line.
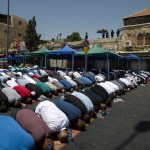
[(143, 12)]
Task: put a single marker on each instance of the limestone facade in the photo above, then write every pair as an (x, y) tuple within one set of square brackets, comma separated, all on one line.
[(17, 30)]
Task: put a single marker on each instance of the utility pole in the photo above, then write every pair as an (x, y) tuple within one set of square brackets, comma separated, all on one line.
[(7, 41)]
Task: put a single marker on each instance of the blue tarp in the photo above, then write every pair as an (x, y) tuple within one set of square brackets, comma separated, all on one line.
[(79, 50), (130, 57), (64, 53), (12, 58), (65, 50)]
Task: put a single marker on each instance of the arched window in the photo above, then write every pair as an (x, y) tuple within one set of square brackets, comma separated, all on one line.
[(140, 39), (147, 39)]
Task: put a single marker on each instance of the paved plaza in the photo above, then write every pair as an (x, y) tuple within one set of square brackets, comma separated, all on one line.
[(127, 128)]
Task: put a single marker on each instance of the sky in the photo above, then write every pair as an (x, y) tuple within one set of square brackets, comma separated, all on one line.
[(68, 16)]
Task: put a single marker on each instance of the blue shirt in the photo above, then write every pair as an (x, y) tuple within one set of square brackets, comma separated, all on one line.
[(66, 84), (86, 80), (13, 136), (72, 112), (86, 101)]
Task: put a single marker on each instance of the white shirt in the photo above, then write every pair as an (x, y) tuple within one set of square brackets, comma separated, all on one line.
[(76, 74), (30, 74), (20, 73), (125, 81), (113, 85), (86, 101), (99, 78), (29, 79), (70, 73), (107, 87), (11, 94), (42, 72), (61, 73), (50, 79), (118, 84), (146, 76), (3, 74), (132, 80), (12, 83), (70, 80), (52, 116), (67, 77), (101, 75)]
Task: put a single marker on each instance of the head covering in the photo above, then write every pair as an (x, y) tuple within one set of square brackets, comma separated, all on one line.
[(19, 73)]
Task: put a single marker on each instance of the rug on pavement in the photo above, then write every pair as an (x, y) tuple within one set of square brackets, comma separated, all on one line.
[(58, 145)]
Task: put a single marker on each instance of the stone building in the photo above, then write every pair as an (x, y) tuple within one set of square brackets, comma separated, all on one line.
[(135, 39), (17, 29)]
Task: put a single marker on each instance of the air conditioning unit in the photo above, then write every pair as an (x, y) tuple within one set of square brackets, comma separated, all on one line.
[(128, 43)]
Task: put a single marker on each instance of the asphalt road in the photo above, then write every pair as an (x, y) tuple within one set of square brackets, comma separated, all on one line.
[(127, 128)]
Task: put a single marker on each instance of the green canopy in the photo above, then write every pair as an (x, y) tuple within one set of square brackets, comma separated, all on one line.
[(96, 50), (42, 51)]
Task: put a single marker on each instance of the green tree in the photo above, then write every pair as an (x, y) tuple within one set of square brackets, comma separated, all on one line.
[(32, 38), (75, 36), (103, 32)]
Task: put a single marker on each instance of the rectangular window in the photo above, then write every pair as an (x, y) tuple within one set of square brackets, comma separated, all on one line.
[(20, 23), (147, 39), (5, 31), (19, 34), (140, 39)]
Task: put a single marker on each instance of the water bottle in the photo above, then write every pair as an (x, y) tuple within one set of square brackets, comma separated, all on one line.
[(103, 113), (70, 136), (49, 146), (107, 113)]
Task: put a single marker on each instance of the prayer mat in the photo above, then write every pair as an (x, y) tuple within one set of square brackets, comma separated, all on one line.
[(59, 146)]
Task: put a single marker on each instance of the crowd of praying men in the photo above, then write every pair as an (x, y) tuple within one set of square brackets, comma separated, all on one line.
[(63, 100)]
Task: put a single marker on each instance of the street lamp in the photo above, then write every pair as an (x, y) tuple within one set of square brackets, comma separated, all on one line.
[(7, 41)]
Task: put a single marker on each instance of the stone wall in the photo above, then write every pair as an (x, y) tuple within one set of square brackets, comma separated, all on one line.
[(114, 44), (130, 35), (19, 27), (3, 36), (16, 31)]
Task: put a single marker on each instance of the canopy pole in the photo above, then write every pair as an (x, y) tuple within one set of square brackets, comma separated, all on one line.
[(41, 62), (139, 65), (25, 60), (61, 63), (72, 61), (95, 64), (127, 65), (86, 62), (56, 65), (11, 60), (108, 65), (45, 61), (118, 63), (115, 63)]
